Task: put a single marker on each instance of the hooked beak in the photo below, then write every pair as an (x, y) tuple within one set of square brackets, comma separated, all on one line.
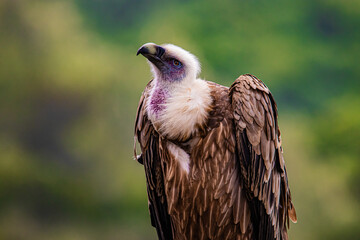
[(153, 53)]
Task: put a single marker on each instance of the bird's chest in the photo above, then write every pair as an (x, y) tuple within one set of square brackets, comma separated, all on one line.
[(201, 186)]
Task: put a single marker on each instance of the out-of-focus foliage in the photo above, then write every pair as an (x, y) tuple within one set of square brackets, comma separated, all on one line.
[(70, 84)]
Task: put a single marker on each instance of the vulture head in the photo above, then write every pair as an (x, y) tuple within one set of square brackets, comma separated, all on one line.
[(170, 63), (178, 102)]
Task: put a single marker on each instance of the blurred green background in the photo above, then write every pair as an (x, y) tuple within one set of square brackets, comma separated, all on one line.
[(70, 84)]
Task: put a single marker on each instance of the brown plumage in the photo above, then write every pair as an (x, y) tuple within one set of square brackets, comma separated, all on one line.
[(236, 185)]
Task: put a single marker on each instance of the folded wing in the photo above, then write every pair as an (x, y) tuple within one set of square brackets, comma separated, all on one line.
[(261, 157)]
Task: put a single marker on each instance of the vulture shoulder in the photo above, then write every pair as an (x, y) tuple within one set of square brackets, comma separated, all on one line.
[(259, 151), (148, 139)]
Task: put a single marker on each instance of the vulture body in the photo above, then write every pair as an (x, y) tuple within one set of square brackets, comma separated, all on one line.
[(212, 155)]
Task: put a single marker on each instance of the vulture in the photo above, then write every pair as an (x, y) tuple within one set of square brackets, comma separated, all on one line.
[(212, 154)]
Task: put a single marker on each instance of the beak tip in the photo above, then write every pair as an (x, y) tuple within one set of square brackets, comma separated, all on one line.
[(142, 50)]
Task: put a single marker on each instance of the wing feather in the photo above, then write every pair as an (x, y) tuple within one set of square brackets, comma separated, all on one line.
[(261, 158)]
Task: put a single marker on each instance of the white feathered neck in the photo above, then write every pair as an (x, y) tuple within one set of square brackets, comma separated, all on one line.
[(184, 107)]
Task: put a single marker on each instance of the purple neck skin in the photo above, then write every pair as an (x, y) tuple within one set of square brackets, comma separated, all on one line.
[(157, 99)]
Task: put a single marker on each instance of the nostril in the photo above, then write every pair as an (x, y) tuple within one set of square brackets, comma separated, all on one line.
[(160, 51)]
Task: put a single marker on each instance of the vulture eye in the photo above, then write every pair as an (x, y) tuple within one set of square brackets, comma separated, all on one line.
[(176, 63)]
